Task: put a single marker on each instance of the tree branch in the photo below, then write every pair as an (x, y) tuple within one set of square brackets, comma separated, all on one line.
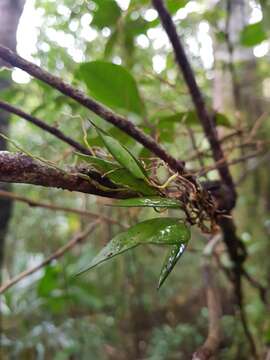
[(32, 203), (56, 255), (42, 125), (234, 245), (119, 121), (207, 121), (20, 168), (211, 344)]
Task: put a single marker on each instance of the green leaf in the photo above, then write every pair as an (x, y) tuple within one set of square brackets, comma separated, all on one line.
[(119, 176), (174, 5), (106, 14), (49, 281), (222, 120), (99, 164), (253, 34), (110, 44), (170, 261), (154, 201), (111, 84), (161, 231), (123, 155), (189, 118), (123, 177)]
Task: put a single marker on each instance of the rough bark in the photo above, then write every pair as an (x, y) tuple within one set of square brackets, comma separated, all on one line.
[(20, 168)]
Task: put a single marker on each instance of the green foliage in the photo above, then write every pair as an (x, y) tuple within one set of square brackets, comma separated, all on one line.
[(174, 5), (111, 84), (189, 118), (106, 13), (119, 176), (159, 231), (114, 311), (253, 34), (123, 156)]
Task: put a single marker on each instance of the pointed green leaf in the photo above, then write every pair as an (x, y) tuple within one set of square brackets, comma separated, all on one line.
[(161, 231), (123, 156), (113, 85), (189, 118), (98, 163), (123, 177), (171, 259), (119, 176), (105, 14), (154, 201)]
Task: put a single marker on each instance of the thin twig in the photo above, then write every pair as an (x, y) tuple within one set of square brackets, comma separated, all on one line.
[(212, 342), (42, 125), (253, 282), (204, 171), (56, 255), (33, 203), (258, 123), (207, 121), (119, 121), (199, 155)]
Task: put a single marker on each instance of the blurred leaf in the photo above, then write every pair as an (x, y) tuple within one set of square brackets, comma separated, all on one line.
[(160, 231), (155, 201), (174, 5), (110, 44), (222, 120), (48, 282), (253, 34), (106, 14), (111, 84), (171, 259), (189, 118)]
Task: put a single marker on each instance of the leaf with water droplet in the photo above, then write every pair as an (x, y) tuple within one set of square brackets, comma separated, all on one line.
[(153, 201), (171, 259), (160, 231)]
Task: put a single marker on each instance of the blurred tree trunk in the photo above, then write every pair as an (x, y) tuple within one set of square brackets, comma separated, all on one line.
[(10, 12)]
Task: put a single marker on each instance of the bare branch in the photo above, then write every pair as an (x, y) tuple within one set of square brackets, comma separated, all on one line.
[(33, 203), (119, 121), (234, 245), (42, 125), (236, 161), (207, 121), (211, 345), (20, 168), (56, 255)]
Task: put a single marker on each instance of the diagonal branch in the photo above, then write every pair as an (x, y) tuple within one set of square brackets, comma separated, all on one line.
[(206, 119), (119, 121), (32, 203), (20, 168), (42, 125), (56, 255)]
